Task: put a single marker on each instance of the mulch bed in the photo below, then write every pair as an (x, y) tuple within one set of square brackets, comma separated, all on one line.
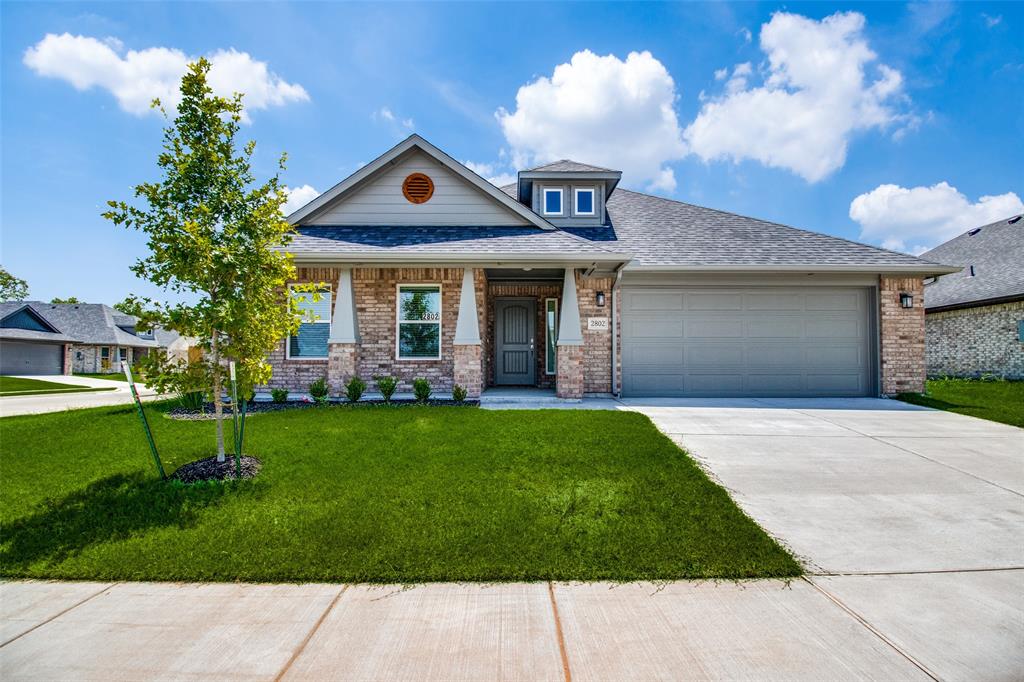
[(261, 407), (210, 469)]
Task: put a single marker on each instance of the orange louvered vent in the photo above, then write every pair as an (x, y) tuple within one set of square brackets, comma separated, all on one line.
[(418, 188)]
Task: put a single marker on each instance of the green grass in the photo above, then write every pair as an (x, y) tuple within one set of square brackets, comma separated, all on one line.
[(998, 401), (19, 386), (404, 494), (116, 376)]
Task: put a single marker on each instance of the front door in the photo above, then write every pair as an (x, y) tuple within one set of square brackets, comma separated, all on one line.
[(515, 327)]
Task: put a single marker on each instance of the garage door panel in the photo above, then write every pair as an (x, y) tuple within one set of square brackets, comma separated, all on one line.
[(712, 301), (743, 341), (713, 329)]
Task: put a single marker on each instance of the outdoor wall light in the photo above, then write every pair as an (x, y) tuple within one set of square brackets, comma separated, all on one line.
[(906, 301), (600, 299)]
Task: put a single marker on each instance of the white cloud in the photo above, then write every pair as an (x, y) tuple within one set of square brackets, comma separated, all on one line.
[(919, 218), (992, 21), (137, 77), (816, 94), (298, 197), (400, 127), (492, 173), (600, 110), (720, 74)]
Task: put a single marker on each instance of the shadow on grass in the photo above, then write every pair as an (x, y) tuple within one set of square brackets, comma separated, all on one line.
[(108, 510), (928, 401)]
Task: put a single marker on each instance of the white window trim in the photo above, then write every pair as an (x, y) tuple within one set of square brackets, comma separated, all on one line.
[(399, 321), (288, 339), (576, 201), (555, 370), (544, 200)]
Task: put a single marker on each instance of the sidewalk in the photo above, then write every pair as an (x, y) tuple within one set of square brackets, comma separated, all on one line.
[(58, 402), (534, 631)]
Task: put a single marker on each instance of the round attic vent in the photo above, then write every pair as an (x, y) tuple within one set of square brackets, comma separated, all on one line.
[(418, 188)]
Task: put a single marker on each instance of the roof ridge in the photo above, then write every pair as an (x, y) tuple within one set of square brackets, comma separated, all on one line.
[(788, 227)]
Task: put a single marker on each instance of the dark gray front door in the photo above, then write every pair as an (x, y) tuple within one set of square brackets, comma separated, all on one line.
[(515, 321)]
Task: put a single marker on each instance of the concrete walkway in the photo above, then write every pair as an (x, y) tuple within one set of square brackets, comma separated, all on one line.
[(911, 523), (58, 402)]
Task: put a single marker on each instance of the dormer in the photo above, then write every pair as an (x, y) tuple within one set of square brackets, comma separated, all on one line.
[(567, 193)]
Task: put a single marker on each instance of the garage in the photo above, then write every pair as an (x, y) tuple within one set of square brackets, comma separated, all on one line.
[(21, 357), (693, 341)]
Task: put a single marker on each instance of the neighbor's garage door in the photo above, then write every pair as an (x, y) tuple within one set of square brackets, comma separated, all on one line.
[(18, 357), (771, 341)]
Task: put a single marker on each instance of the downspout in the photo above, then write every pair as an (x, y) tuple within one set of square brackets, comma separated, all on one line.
[(615, 330)]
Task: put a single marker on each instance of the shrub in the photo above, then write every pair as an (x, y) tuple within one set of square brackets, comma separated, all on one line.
[(421, 389), (386, 385), (458, 393), (279, 395), (192, 400), (319, 390), (354, 389)]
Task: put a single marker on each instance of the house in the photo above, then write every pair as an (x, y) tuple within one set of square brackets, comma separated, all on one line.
[(66, 338), (566, 280), (974, 319)]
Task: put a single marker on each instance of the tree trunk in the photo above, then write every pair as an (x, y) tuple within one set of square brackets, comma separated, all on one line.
[(218, 406)]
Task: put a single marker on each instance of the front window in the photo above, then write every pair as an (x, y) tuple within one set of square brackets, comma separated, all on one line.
[(553, 202), (310, 342), (584, 201), (105, 357), (122, 354), (551, 327), (419, 322)]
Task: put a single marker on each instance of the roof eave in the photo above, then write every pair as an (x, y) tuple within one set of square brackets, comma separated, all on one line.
[(978, 303), (924, 270), (304, 257)]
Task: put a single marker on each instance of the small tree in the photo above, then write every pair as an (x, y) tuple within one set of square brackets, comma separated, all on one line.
[(216, 237), (11, 287), (66, 301)]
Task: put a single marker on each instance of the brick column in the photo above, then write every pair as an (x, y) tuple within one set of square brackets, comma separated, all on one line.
[(902, 335), (341, 366), (69, 367), (569, 382), (468, 369)]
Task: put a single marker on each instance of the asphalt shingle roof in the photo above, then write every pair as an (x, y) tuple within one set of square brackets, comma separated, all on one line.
[(664, 232), (569, 166), (995, 250), (14, 334), (374, 240), (87, 323)]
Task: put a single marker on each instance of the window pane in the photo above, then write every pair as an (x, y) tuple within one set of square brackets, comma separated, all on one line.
[(419, 340), (551, 322), (585, 201), (311, 341), (420, 303), (313, 311), (552, 201)]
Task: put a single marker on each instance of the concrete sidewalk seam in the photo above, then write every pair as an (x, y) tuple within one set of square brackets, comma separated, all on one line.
[(936, 571), (57, 615), (871, 628), (559, 635), (882, 440), (309, 635)]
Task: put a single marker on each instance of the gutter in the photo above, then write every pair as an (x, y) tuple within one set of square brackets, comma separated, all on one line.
[(583, 259), (616, 389), (924, 269), (979, 303)]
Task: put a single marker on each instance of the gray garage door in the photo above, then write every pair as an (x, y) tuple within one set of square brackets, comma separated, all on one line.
[(18, 357), (769, 341)]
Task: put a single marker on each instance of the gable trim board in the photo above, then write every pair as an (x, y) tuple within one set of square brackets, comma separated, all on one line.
[(313, 211)]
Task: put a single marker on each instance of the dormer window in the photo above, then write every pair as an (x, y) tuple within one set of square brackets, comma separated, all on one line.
[(553, 201), (584, 199)]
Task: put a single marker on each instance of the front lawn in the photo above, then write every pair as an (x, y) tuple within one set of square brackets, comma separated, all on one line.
[(368, 494), (998, 401), (116, 376), (20, 386)]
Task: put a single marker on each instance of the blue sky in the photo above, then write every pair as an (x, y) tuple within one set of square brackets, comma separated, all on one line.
[(888, 123)]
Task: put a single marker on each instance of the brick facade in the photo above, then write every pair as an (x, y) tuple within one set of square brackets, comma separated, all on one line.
[(342, 361), (469, 368), (68, 367), (88, 359), (597, 345), (902, 335), (971, 342), (570, 382)]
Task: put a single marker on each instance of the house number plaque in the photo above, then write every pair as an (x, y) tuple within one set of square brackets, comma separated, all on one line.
[(597, 324)]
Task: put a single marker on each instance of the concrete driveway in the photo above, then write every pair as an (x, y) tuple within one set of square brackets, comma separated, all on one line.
[(910, 519), (58, 402)]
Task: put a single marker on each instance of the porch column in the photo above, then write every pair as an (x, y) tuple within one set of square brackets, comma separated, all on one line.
[(342, 343), (468, 351), (569, 379)]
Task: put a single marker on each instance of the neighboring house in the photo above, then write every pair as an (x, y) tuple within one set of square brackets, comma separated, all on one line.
[(974, 319), (567, 281), (49, 338), (29, 344)]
